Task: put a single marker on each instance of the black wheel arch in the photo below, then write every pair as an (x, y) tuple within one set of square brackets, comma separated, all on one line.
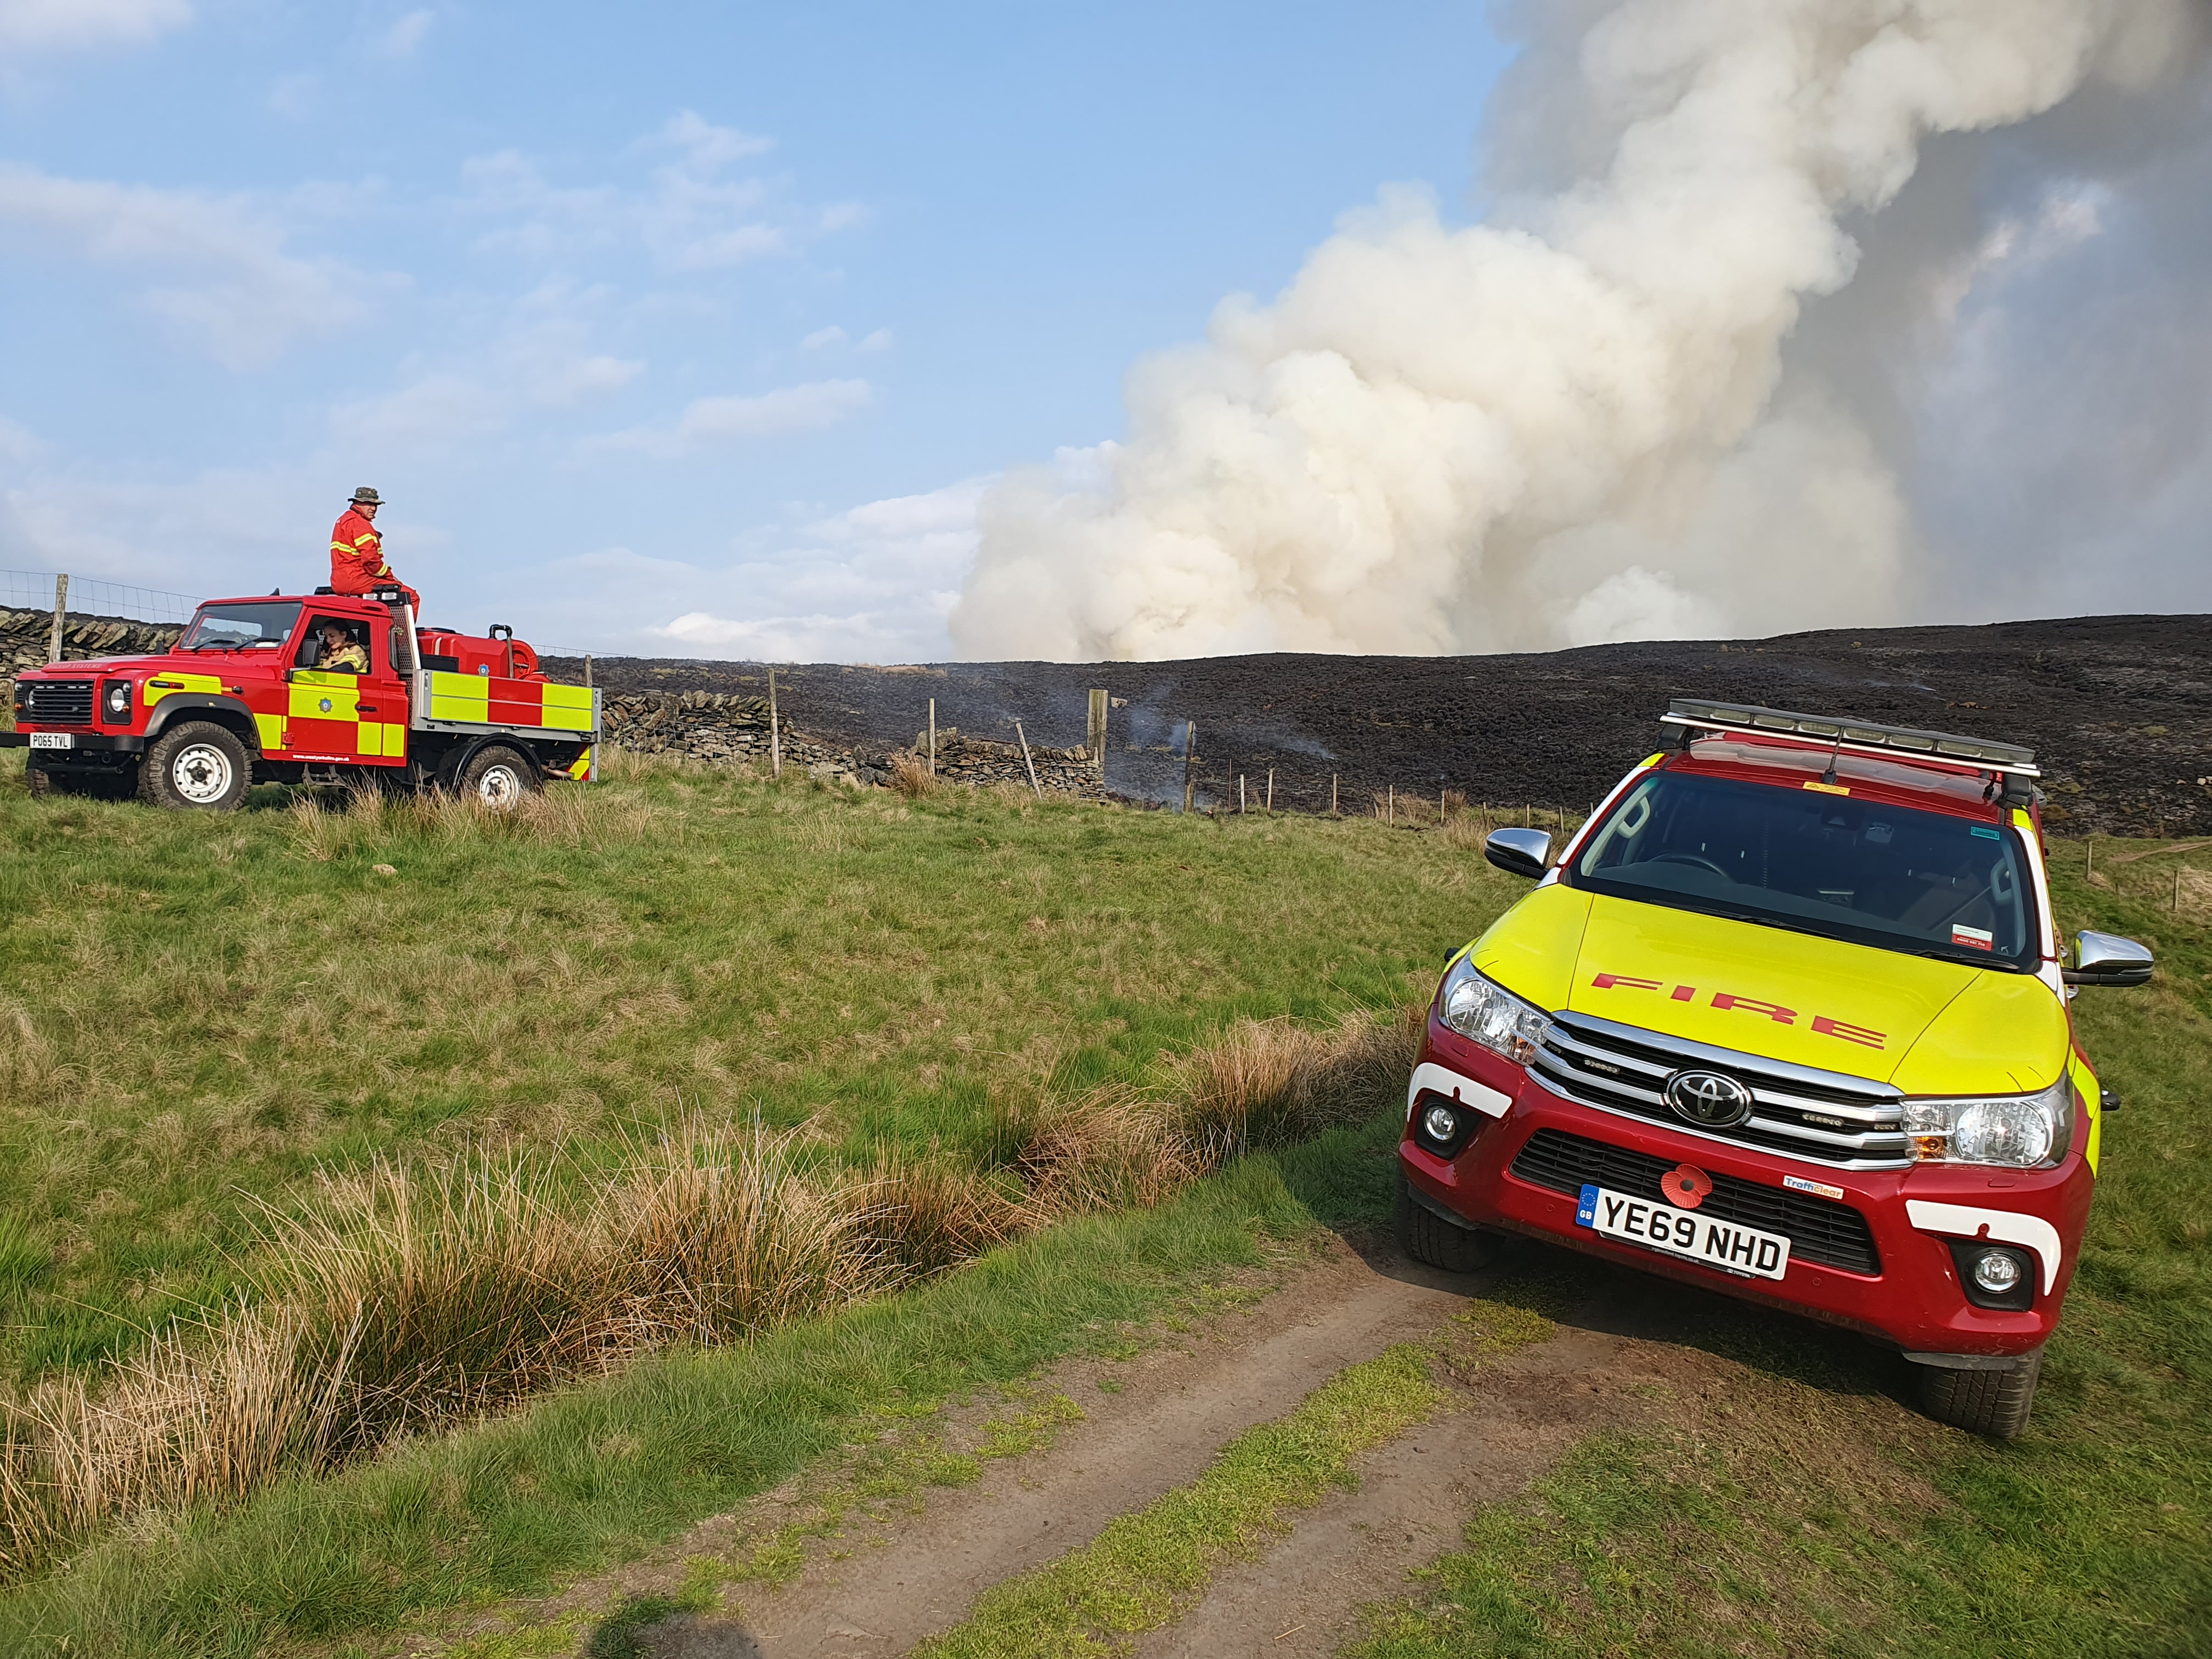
[(229, 713)]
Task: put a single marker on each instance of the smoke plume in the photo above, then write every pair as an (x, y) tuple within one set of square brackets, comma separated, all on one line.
[(1593, 416)]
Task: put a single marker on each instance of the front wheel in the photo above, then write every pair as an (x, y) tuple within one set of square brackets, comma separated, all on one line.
[(195, 767), (1427, 1236), (498, 777), (1994, 1402)]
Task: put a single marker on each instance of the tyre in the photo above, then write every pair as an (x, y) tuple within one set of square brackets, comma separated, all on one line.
[(1995, 1403), (498, 777), (1427, 1236), (197, 766)]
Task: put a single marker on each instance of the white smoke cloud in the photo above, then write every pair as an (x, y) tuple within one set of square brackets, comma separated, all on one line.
[(1570, 422)]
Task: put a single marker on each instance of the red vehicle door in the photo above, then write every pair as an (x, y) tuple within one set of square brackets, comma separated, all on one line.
[(345, 703)]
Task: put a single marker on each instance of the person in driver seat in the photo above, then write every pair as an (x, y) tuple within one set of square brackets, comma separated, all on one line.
[(342, 653)]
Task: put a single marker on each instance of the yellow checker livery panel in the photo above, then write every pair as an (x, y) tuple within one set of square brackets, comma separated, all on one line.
[(168, 685), (458, 697), (480, 700)]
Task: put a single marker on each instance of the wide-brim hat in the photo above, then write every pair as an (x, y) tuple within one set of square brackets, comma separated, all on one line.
[(366, 495)]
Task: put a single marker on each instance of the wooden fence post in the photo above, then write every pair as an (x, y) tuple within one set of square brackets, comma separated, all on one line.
[(932, 736), (1389, 803), (1271, 789), (1332, 812), (1240, 794), (587, 670), (61, 618), (774, 731), (1189, 763), (1035, 788), (1096, 739)]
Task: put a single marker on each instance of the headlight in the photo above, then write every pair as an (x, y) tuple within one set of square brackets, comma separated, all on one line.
[(1491, 1016), (116, 698), (2017, 1131)]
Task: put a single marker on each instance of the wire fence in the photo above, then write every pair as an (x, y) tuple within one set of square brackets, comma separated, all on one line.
[(35, 590)]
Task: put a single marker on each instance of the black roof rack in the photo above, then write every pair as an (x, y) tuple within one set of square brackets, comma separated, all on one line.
[(1869, 737)]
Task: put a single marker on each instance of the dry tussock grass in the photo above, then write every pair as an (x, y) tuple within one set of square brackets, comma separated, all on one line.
[(559, 815), (912, 777), (396, 1299)]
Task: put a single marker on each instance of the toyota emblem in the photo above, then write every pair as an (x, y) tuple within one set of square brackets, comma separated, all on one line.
[(1711, 1100)]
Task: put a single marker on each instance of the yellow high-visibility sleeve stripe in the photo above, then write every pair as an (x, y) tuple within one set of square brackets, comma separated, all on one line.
[(340, 547), (358, 540)]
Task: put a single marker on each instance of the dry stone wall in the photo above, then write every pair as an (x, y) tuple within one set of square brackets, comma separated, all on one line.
[(729, 727), (25, 634), (961, 759), (714, 726)]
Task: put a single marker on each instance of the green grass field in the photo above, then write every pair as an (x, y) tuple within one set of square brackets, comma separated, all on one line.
[(199, 1015)]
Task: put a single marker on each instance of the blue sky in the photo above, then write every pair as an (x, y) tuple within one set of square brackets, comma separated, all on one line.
[(641, 314)]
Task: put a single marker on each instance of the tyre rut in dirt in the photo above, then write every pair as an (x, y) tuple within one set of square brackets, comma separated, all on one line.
[(1427, 1236), (195, 767), (498, 777), (1995, 1403)]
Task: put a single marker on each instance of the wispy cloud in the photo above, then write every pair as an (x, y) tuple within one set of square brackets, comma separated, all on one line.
[(823, 338), (227, 285), (707, 422), (873, 584), (540, 357), (693, 212), (32, 26), (405, 35)]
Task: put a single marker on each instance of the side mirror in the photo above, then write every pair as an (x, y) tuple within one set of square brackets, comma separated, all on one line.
[(2107, 959), (1522, 852)]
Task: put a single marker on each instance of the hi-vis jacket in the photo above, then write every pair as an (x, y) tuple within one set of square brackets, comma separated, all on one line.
[(357, 556)]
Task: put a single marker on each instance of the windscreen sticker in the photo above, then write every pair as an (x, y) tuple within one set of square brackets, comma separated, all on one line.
[(1824, 1024), (1986, 832), (1976, 939), (1830, 788)]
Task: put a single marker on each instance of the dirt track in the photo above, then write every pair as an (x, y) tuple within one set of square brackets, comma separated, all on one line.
[(2119, 709), (1630, 1352)]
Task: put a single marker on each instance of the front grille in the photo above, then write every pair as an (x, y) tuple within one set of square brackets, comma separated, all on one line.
[(57, 702), (1819, 1229), (1825, 1117)]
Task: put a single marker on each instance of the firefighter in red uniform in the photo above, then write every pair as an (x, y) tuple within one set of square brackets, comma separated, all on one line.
[(358, 565)]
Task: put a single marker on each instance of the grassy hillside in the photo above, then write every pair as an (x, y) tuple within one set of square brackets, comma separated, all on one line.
[(197, 1013), (198, 1016)]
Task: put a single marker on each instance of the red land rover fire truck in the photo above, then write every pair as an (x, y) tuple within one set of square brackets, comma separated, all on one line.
[(246, 696), (1787, 1018)]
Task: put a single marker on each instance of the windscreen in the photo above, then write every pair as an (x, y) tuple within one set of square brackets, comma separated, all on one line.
[(239, 625), (1926, 883)]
